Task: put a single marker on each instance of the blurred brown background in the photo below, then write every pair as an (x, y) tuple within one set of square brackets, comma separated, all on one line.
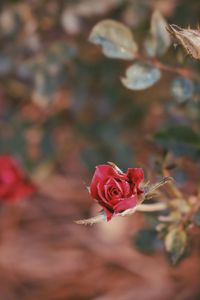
[(63, 111)]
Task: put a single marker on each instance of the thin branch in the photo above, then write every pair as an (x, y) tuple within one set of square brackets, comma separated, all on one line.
[(188, 73), (140, 208), (97, 219), (153, 187), (175, 192), (151, 207)]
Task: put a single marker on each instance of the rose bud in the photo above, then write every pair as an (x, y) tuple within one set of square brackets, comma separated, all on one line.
[(114, 190), (13, 182)]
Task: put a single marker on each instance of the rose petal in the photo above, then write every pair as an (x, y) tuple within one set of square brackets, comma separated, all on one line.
[(114, 201), (125, 204), (102, 173), (105, 171), (4, 190), (7, 162), (101, 195), (108, 213), (13, 183), (126, 188), (112, 183), (136, 175)]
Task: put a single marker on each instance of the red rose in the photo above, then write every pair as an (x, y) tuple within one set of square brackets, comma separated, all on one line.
[(13, 183), (116, 191)]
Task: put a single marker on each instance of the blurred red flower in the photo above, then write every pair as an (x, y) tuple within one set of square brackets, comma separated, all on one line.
[(13, 182), (116, 191)]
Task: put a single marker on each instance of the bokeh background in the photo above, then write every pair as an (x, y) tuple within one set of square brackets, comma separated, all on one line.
[(63, 111)]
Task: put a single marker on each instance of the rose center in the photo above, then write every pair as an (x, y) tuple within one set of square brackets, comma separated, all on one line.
[(114, 192)]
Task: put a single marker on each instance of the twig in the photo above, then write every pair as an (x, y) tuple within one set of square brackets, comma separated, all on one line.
[(157, 185), (140, 208)]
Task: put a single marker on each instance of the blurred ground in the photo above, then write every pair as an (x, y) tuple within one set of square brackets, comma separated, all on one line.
[(63, 111), (44, 255)]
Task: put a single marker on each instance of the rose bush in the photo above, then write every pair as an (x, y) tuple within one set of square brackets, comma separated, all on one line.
[(116, 191), (13, 182)]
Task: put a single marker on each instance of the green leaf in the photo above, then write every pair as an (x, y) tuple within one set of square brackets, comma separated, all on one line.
[(151, 219), (159, 39), (181, 140), (182, 88), (115, 38), (196, 217), (182, 133), (147, 241), (175, 244), (140, 76), (49, 72)]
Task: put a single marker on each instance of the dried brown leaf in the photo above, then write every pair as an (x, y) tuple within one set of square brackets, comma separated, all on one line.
[(188, 38)]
